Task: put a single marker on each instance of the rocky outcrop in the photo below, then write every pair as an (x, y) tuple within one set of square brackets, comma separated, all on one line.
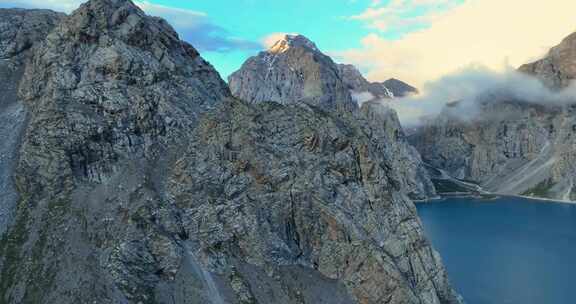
[(385, 125), (399, 88), (382, 119), (557, 70), (142, 180), (329, 202), (20, 30), (293, 70), (111, 95), (361, 89)]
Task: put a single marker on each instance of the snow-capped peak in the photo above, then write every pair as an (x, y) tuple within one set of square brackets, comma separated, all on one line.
[(289, 41)]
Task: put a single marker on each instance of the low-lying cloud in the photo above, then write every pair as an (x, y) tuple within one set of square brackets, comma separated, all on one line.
[(472, 84)]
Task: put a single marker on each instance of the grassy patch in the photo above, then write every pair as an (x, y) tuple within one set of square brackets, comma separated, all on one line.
[(540, 190), (447, 186)]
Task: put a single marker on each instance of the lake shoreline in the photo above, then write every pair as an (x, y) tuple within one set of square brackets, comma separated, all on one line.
[(491, 196)]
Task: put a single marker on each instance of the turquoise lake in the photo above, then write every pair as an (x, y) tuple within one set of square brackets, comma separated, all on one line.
[(506, 250)]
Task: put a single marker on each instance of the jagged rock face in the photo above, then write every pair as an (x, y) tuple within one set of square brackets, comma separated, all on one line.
[(111, 96), (386, 126), (383, 120), (558, 69), (142, 180), (20, 30), (510, 148), (292, 71), (399, 88), (329, 201), (362, 90)]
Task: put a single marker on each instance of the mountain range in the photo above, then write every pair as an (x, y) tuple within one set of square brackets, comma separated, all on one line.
[(132, 173)]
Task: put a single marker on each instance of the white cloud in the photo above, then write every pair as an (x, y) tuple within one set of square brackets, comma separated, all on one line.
[(485, 32), (397, 15), (179, 18), (470, 85)]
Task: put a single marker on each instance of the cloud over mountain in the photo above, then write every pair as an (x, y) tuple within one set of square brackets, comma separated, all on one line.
[(487, 32)]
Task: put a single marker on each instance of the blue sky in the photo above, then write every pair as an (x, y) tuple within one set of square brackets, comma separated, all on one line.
[(323, 21), (414, 40), (228, 32)]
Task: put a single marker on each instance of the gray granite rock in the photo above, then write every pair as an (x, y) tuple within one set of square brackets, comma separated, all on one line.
[(20, 30), (142, 180), (399, 88), (294, 51), (293, 70), (363, 90), (282, 187), (385, 125), (557, 69), (111, 96)]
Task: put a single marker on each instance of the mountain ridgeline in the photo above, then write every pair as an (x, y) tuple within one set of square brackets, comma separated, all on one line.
[(512, 146), (131, 174), (287, 71), (295, 70)]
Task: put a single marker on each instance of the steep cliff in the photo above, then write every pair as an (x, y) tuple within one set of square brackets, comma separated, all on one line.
[(20, 30), (292, 51), (512, 148), (507, 146), (361, 89), (305, 205), (141, 180), (385, 125), (111, 95)]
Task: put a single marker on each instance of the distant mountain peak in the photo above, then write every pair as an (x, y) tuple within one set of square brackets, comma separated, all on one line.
[(293, 70), (399, 87), (362, 90), (289, 41)]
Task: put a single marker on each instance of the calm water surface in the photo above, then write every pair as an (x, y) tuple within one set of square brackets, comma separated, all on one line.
[(506, 250)]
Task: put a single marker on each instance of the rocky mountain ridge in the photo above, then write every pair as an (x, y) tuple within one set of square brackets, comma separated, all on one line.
[(399, 88), (362, 90), (292, 70), (297, 50), (557, 69), (140, 179)]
